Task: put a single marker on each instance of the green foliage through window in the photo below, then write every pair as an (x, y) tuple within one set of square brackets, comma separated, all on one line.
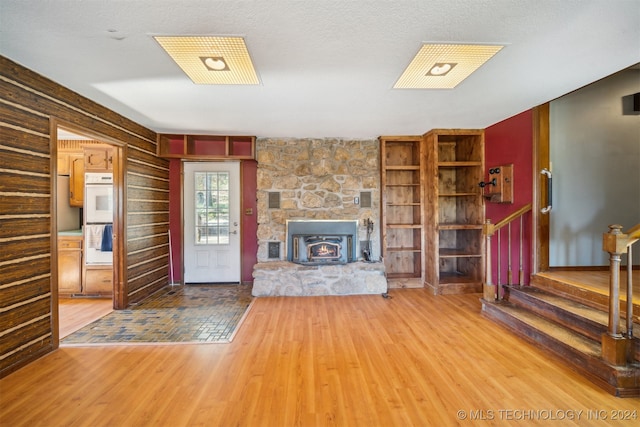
[(212, 208)]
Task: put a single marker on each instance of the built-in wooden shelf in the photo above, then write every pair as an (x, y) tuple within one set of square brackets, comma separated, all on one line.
[(455, 210), (458, 164), (206, 147), (456, 253), (402, 188)]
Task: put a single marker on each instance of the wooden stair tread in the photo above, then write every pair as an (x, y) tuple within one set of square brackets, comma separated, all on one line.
[(568, 322), (551, 329), (575, 307), (594, 294)]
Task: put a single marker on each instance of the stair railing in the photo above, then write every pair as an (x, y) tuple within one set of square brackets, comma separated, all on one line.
[(615, 346), (489, 290), (616, 243)]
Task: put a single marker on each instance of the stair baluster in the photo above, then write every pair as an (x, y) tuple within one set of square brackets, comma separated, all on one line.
[(492, 292), (488, 288), (615, 345)]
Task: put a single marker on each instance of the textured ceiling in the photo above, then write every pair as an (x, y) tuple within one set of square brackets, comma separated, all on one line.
[(327, 68)]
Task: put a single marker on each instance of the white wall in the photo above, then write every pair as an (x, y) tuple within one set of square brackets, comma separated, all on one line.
[(595, 154)]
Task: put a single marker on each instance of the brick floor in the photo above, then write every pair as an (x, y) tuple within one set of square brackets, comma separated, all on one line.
[(192, 313)]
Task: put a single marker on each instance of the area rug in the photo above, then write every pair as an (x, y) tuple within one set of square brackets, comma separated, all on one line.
[(176, 314)]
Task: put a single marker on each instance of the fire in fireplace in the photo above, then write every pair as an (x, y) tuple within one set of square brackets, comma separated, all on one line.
[(321, 242), (323, 248)]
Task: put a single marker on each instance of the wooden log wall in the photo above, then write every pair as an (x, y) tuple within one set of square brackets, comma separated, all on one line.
[(28, 103)]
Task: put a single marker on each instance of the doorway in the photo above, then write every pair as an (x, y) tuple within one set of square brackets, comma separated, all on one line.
[(211, 212), (594, 148), (84, 291)]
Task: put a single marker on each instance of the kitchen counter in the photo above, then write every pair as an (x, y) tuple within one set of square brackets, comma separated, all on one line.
[(70, 233)]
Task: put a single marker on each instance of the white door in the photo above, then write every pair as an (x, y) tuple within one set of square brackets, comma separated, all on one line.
[(211, 209)]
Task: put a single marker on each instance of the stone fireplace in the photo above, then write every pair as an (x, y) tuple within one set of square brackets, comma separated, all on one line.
[(315, 197)]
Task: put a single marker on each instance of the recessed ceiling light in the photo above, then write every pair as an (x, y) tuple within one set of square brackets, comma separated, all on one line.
[(441, 69), (201, 57), (215, 63), (444, 66)]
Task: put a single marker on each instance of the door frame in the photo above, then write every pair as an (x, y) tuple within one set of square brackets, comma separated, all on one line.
[(541, 160), (120, 286)]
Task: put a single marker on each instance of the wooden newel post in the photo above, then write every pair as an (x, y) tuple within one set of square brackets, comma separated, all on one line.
[(488, 288), (614, 344)]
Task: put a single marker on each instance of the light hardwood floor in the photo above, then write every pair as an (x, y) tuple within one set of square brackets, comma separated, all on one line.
[(74, 313), (412, 360)]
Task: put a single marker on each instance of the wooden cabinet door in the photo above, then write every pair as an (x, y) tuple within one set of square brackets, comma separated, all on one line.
[(70, 266), (76, 180), (98, 158), (99, 281)]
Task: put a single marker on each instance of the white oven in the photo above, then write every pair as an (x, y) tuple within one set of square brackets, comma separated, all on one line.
[(98, 218), (98, 198)]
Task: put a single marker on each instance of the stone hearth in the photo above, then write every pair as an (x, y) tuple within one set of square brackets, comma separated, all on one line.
[(285, 278)]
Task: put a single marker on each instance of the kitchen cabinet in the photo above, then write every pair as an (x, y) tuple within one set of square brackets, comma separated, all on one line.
[(76, 180), (98, 158), (98, 280), (69, 264), (454, 210), (402, 183)]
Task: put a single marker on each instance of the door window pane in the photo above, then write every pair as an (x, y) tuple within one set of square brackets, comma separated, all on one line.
[(212, 208)]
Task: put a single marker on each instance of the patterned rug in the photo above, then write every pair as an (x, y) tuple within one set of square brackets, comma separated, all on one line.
[(179, 314)]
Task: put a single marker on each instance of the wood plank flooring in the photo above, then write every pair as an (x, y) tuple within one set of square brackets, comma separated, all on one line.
[(412, 360), (74, 313)]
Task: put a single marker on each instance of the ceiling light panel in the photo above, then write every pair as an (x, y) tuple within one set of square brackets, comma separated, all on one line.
[(211, 60), (444, 66)]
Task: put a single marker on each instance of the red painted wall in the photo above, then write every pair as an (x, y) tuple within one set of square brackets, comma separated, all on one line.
[(248, 170), (511, 142), (175, 220), (249, 215)]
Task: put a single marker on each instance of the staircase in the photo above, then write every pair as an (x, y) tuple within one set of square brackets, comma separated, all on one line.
[(568, 321)]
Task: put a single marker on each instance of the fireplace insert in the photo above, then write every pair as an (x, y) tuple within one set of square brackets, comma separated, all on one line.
[(321, 249), (321, 242)]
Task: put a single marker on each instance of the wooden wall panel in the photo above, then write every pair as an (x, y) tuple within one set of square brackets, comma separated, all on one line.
[(15, 227), (15, 294), (147, 220), (30, 163), (146, 230), (24, 205), (25, 247), (152, 194), (28, 103), (16, 139), (13, 182), (147, 265), (140, 218), (149, 244), (39, 267), (30, 333)]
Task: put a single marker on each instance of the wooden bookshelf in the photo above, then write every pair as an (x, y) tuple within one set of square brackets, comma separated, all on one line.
[(454, 247), (402, 176)]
